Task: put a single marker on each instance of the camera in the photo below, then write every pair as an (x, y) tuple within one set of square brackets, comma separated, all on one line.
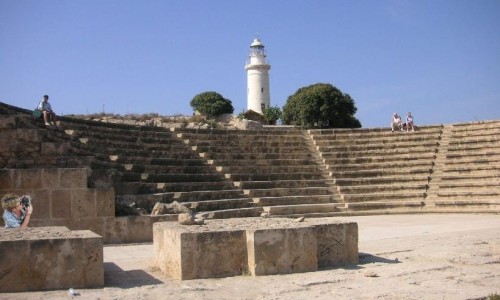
[(25, 201)]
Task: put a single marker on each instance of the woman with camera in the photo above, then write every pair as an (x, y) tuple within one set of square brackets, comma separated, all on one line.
[(17, 211)]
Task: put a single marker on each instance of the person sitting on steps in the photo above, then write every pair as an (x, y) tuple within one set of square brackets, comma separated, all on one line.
[(409, 122), (48, 114), (396, 122)]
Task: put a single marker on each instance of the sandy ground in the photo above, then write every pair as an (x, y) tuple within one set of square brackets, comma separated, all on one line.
[(445, 256)]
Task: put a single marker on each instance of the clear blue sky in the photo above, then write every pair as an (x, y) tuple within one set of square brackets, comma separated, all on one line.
[(439, 59)]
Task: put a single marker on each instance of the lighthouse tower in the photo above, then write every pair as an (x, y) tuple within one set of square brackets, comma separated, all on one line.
[(258, 96)]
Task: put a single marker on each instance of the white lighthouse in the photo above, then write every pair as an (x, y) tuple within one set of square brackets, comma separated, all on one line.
[(258, 96)]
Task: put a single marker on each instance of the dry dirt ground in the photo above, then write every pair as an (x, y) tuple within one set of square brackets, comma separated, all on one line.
[(435, 256)]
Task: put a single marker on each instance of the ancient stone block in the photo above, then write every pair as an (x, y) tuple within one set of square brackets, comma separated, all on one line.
[(28, 179), (105, 202), (45, 258), (50, 179), (6, 181), (73, 178), (81, 204), (61, 203), (337, 244), (281, 251), (184, 254)]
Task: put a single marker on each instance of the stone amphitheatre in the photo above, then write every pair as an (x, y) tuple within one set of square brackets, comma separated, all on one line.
[(272, 201)]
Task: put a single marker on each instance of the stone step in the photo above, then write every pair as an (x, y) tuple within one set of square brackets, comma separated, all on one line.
[(123, 188), (453, 156), (415, 178), (293, 200), (382, 165), (468, 176), (283, 184), (160, 178), (302, 208), (264, 162), (208, 195), (232, 213), (254, 156), (247, 151), (402, 195), (236, 132), (474, 160), (380, 172), (467, 184), (277, 192), (210, 205), (272, 176), (268, 169), (129, 136), (493, 167), (401, 152), (97, 143), (138, 160), (379, 159), (384, 139), (395, 186), (154, 169), (467, 140), (468, 193), (376, 205), (475, 149), (241, 137), (378, 147), (184, 154), (471, 203), (243, 144)]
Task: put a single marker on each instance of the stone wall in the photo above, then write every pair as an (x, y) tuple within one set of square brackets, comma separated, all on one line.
[(60, 197)]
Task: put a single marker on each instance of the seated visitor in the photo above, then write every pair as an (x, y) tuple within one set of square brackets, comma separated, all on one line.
[(17, 210), (47, 112), (396, 122), (409, 122)]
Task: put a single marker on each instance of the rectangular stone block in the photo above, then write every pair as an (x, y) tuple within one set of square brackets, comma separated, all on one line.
[(6, 181), (105, 202), (337, 244), (45, 258), (281, 251), (28, 179), (184, 254), (73, 178)]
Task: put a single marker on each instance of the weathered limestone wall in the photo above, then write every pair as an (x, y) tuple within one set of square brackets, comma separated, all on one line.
[(61, 198), (45, 258), (255, 246)]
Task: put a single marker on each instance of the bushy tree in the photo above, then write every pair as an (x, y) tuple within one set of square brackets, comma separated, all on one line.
[(211, 104), (272, 114), (320, 105)]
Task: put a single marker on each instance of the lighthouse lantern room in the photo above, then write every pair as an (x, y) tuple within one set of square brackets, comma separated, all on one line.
[(258, 96)]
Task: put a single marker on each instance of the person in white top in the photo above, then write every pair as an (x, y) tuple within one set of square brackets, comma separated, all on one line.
[(409, 122), (48, 114), (396, 122)]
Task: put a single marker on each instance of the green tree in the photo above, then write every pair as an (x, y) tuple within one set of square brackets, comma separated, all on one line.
[(320, 105), (211, 104), (272, 114)]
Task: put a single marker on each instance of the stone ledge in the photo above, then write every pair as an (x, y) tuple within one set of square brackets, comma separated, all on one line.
[(255, 246), (46, 258)]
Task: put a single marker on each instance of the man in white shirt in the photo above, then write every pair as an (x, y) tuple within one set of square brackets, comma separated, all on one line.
[(47, 112), (396, 122)]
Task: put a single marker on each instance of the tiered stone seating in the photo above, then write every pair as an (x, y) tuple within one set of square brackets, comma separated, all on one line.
[(376, 169), (275, 168), (469, 168), (146, 165)]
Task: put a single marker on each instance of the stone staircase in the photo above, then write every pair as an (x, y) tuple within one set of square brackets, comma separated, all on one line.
[(468, 176), (377, 170), (275, 168)]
